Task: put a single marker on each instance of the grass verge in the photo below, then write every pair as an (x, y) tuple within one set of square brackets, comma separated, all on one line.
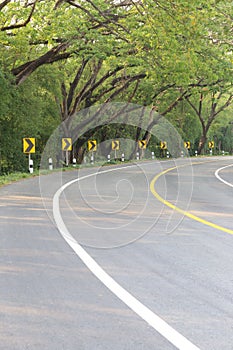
[(9, 178)]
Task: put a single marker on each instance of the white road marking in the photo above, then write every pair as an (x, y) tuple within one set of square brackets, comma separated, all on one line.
[(174, 337), (220, 178)]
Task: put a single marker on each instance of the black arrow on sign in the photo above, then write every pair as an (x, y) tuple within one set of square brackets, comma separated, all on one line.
[(67, 144), (92, 145), (30, 145), (115, 145), (143, 143)]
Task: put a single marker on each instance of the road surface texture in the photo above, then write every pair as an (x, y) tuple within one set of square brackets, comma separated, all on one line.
[(166, 240)]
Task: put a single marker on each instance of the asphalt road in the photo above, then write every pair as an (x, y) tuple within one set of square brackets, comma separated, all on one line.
[(176, 266)]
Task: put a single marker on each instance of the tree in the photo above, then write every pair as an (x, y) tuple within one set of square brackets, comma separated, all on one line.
[(208, 108), (156, 53), (188, 48), (42, 32)]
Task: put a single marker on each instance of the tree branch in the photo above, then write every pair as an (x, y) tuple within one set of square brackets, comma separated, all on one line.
[(75, 82), (191, 104), (173, 104), (87, 121), (134, 91), (24, 24), (102, 80), (152, 122), (125, 86), (200, 105), (197, 112), (53, 55), (224, 106), (111, 20), (58, 3), (162, 89), (90, 82), (100, 23), (64, 102), (19, 69), (4, 3)]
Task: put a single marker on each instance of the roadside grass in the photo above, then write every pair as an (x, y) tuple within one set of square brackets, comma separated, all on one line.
[(12, 177), (7, 179), (17, 176)]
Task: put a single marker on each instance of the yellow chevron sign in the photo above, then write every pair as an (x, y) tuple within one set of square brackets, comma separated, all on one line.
[(29, 145), (115, 145), (67, 144), (211, 144), (92, 145), (142, 144), (187, 145), (163, 145)]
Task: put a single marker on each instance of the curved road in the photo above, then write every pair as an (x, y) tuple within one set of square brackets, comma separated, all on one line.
[(165, 240)]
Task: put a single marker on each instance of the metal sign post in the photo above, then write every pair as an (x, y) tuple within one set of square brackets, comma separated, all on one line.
[(211, 147), (30, 164), (50, 164), (67, 158), (66, 147), (74, 162), (29, 146), (163, 147), (142, 144), (92, 147), (92, 157), (115, 147)]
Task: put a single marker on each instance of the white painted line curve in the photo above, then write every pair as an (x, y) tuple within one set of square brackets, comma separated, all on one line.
[(169, 333), (220, 178)]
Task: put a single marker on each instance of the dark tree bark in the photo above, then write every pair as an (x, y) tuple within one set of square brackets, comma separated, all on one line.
[(4, 3), (214, 112), (22, 72), (19, 25)]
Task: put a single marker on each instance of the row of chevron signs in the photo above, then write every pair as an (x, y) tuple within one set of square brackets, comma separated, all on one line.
[(29, 145)]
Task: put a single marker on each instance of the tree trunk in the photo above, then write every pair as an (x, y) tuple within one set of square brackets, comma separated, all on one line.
[(202, 143)]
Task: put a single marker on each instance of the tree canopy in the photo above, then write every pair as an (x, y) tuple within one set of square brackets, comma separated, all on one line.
[(58, 57)]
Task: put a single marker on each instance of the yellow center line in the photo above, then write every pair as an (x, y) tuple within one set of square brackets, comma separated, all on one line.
[(179, 210)]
